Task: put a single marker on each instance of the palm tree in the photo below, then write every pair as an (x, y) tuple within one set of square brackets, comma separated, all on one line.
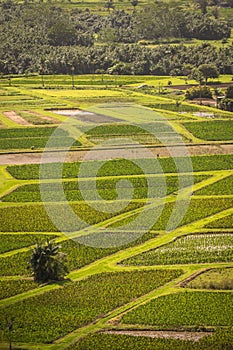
[(134, 4), (47, 263), (109, 5)]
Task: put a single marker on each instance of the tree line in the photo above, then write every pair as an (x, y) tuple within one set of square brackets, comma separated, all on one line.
[(48, 39)]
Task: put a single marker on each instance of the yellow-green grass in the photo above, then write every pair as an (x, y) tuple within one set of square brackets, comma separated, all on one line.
[(98, 79), (105, 264), (221, 278)]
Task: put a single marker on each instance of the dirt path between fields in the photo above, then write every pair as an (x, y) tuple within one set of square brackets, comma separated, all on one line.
[(194, 336), (121, 152)]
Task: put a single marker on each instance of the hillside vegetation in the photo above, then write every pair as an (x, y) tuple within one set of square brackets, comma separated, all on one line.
[(46, 39)]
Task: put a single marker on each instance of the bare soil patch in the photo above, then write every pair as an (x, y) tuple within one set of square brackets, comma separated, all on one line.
[(193, 336), (112, 153), (86, 117), (204, 102), (16, 118)]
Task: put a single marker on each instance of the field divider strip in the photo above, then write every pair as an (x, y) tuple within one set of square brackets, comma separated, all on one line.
[(119, 217), (109, 321), (105, 264), (108, 263), (167, 237), (16, 183), (181, 130)]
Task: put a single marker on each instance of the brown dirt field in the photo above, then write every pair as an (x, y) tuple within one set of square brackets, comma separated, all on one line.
[(112, 153), (16, 118), (194, 336)]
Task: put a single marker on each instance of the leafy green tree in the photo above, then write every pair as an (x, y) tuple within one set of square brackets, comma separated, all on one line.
[(208, 71), (109, 5), (202, 4), (226, 104), (107, 35), (47, 263), (197, 75), (134, 4), (61, 34), (229, 92)]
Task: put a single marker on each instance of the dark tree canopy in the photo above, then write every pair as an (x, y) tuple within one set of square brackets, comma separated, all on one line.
[(208, 71), (47, 263), (37, 38)]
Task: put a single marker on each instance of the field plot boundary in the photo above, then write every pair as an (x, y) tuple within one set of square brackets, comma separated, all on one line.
[(43, 103)]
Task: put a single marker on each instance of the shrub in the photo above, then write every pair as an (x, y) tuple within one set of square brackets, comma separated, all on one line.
[(198, 92)]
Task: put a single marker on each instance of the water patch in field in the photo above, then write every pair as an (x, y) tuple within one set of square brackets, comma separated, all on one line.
[(85, 116)]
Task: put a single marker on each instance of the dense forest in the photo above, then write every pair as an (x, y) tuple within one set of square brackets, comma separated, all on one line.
[(48, 39)]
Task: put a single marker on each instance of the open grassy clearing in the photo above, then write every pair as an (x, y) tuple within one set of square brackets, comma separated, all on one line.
[(185, 309), (213, 279), (46, 317), (90, 79), (98, 79), (191, 249)]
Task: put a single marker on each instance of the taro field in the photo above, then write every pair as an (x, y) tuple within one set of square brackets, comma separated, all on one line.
[(137, 192)]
